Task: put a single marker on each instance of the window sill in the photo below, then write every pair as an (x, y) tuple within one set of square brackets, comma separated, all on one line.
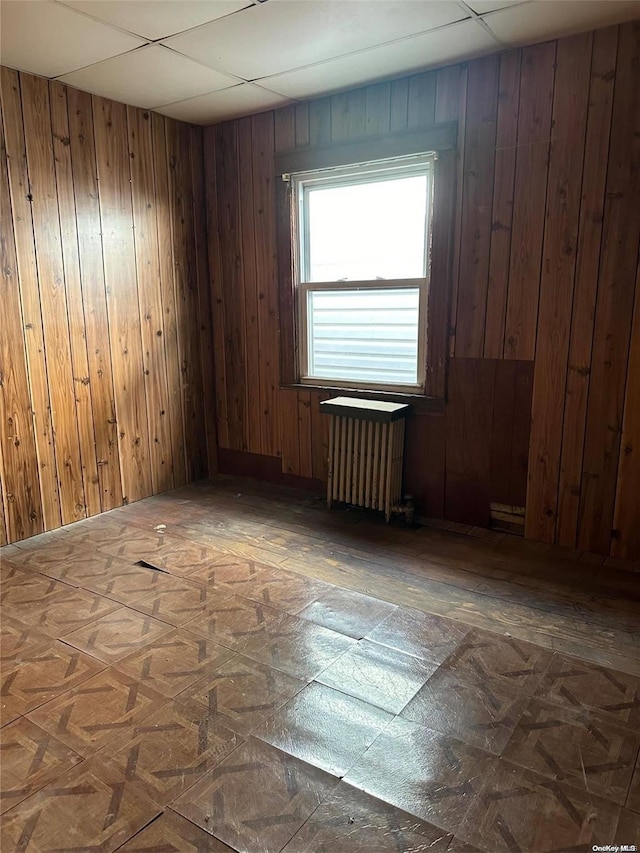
[(416, 400)]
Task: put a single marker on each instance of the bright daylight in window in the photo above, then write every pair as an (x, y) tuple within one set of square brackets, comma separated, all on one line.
[(363, 263)]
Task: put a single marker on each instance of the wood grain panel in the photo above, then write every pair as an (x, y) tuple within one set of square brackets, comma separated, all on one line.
[(147, 260), (53, 295), (81, 386), (602, 78), (203, 301), (262, 129), (421, 99), (557, 283), (104, 260), (614, 307), (502, 213), (21, 499), (534, 121), (167, 281), (20, 191), (96, 322), (477, 195), (112, 158), (626, 530)]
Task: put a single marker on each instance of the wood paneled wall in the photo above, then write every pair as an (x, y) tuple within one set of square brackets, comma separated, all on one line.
[(543, 399), (106, 367)]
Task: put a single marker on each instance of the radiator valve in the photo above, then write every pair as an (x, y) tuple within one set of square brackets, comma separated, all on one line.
[(407, 508)]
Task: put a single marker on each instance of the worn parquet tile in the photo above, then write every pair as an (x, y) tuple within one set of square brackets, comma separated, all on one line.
[(420, 634), (378, 674), (30, 758), (577, 747), (89, 808), (520, 810), (118, 634), (351, 820), (93, 714), (241, 693), (174, 662), (324, 727), (170, 750), (481, 713), (430, 775), (347, 612), (171, 833), (257, 798), (44, 672), (234, 622)]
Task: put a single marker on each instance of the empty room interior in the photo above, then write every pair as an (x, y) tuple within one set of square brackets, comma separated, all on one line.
[(320, 426)]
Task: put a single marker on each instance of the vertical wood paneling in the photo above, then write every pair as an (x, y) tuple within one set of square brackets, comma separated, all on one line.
[(534, 121), (30, 296), (21, 499), (96, 323), (150, 297), (626, 530), (477, 195), (614, 307), (203, 300), (249, 284), (167, 282), (502, 213), (81, 386), (53, 295), (262, 129), (594, 175), (556, 286), (421, 99), (112, 159), (103, 262)]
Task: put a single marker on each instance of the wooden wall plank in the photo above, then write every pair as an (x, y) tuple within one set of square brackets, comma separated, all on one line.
[(81, 386), (305, 436), (534, 121), (215, 278), (229, 223), (204, 317), (3, 512), (147, 260), (348, 115), (399, 104), (249, 280), (424, 470), (594, 175), (502, 213), (469, 428), (377, 109), (168, 297), (319, 436), (421, 99), (566, 154), (96, 323), (53, 296), (122, 300), (22, 502), (626, 530), (477, 195), (616, 285), (267, 280), (320, 121)]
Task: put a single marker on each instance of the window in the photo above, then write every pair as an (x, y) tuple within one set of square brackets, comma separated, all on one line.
[(362, 272)]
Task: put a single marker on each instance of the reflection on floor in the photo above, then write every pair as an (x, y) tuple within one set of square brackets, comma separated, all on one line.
[(210, 700)]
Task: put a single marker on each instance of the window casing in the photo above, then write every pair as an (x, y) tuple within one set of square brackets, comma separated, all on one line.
[(369, 332)]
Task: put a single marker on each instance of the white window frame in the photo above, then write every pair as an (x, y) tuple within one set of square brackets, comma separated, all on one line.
[(381, 170)]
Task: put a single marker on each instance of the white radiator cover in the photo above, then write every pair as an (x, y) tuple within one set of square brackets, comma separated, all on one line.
[(365, 455)]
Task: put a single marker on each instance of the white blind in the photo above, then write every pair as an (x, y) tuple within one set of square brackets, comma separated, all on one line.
[(364, 335)]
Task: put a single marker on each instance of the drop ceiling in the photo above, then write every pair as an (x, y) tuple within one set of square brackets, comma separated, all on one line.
[(204, 61)]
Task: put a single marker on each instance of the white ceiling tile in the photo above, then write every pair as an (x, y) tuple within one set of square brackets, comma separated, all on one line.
[(537, 21), (48, 39), (244, 99), (465, 39), (283, 34), (148, 77), (156, 19), (484, 6)]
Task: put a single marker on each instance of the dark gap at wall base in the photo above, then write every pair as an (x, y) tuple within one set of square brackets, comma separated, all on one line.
[(267, 468)]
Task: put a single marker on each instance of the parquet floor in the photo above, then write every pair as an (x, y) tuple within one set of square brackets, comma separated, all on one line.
[(274, 677)]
